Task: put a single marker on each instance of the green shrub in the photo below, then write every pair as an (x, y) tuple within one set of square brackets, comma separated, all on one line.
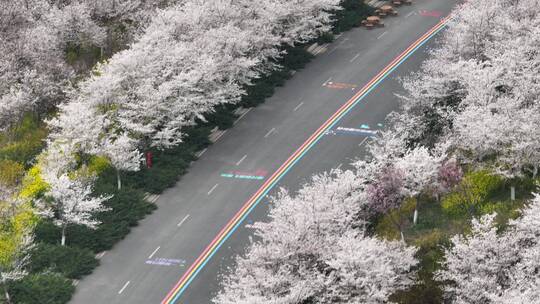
[(223, 117), (257, 93), (350, 16), (72, 262), (197, 137), (127, 208), (472, 193), (296, 58), (97, 164), (76, 235), (48, 288), (168, 166), (326, 37)]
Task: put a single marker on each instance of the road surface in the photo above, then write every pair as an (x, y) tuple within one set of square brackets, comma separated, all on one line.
[(144, 267)]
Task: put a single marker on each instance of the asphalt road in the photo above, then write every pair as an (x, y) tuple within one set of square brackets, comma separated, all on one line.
[(143, 268)]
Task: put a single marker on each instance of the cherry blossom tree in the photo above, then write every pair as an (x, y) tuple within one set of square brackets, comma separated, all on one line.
[(487, 267), (315, 249), (476, 264), (386, 194), (70, 201), (368, 270), (524, 279), (477, 91), (387, 146), (450, 174), (12, 268), (123, 155), (122, 9), (175, 73), (420, 169), (35, 37)]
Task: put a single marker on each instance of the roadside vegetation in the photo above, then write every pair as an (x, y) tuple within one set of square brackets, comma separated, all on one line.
[(47, 164), (445, 208)]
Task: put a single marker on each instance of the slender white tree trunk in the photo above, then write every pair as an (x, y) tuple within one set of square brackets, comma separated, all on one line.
[(6, 294), (415, 216), (118, 180), (63, 236), (402, 236), (512, 193)]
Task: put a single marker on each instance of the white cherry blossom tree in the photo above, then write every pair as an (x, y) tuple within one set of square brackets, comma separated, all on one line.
[(420, 169), (314, 248), (123, 155), (70, 201), (490, 267)]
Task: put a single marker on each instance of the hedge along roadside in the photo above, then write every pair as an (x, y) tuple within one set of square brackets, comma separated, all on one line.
[(52, 266)]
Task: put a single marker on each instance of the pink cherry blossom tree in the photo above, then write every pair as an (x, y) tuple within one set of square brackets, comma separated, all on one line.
[(386, 194)]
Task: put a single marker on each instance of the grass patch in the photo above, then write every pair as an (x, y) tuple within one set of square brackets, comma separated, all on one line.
[(23, 142)]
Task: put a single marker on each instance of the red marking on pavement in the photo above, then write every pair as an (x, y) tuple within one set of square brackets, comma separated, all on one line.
[(339, 85), (427, 13)]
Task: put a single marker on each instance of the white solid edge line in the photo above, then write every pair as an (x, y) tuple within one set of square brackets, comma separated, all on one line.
[(153, 252), (125, 285), (183, 220)]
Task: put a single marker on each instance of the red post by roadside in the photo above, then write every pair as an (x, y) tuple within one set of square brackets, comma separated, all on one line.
[(148, 159)]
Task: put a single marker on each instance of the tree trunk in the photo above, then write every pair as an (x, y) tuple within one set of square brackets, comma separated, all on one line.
[(63, 236), (398, 224), (512, 193), (118, 180), (415, 216), (6, 294)]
